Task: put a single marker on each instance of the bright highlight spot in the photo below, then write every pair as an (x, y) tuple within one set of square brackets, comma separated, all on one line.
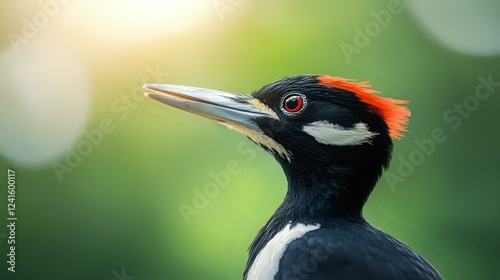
[(130, 20)]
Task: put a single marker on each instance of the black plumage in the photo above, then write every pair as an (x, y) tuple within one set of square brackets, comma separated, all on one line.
[(333, 139), (351, 249)]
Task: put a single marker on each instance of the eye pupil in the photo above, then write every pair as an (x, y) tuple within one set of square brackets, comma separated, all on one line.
[(293, 103)]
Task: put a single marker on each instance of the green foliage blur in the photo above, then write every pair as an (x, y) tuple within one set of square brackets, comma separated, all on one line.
[(117, 213)]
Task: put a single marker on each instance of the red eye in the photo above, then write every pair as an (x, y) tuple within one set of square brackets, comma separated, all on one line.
[(293, 103)]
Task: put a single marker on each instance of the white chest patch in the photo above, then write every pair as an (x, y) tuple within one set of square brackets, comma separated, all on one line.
[(333, 134), (266, 264)]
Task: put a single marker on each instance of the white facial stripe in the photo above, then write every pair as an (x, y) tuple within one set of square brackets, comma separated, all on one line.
[(334, 134), (259, 105), (266, 264), (264, 140)]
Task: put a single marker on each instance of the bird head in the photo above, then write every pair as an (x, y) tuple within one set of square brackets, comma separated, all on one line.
[(332, 136)]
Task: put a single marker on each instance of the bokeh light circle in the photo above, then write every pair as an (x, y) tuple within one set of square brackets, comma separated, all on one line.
[(44, 105), (469, 27)]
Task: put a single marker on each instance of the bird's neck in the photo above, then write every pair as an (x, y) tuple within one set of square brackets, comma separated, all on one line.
[(330, 192), (322, 190), (318, 197)]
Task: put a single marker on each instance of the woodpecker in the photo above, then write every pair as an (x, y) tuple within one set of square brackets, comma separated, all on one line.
[(333, 138)]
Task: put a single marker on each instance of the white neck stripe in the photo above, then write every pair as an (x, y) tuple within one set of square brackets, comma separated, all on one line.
[(266, 264)]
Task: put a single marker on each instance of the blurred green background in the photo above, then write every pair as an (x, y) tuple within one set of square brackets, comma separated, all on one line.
[(101, 172)]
